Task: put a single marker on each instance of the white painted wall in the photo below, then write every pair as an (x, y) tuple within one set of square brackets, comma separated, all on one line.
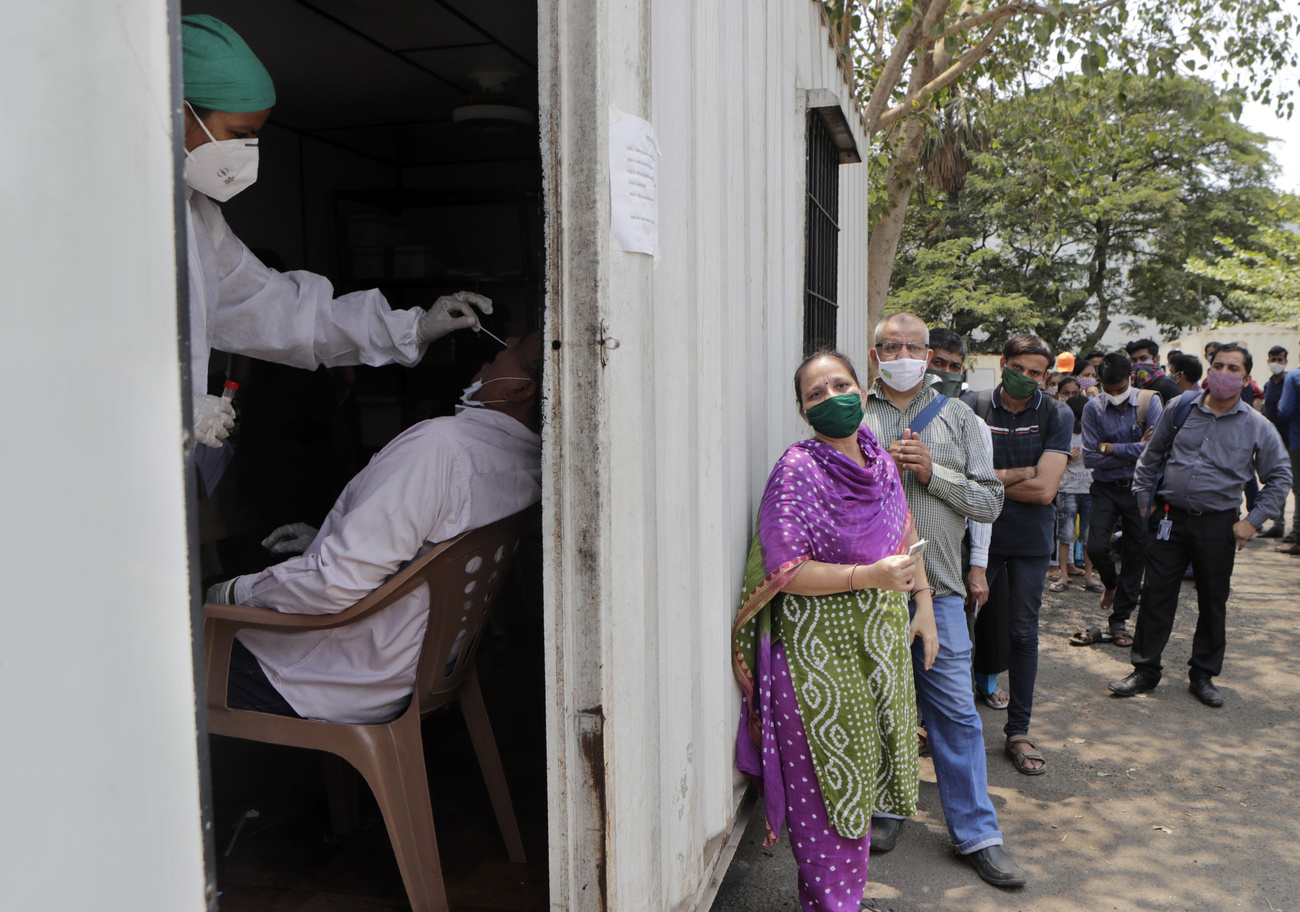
[(99, 788), (656, 460)]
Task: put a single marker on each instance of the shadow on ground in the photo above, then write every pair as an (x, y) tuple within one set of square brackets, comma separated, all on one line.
[(1149, 803)]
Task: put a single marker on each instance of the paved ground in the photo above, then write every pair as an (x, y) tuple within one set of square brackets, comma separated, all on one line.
[(1149, 803)]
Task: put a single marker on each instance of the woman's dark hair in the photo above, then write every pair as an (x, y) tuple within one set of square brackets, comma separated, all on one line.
[(817, 356), (1114, 367), (200, 112), (1076, 404)]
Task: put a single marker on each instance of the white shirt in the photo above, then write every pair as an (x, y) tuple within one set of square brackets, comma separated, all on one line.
[(981, 533), (239, 305), (436, 480)]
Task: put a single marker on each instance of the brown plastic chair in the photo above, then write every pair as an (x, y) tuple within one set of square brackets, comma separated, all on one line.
[(463, 575)]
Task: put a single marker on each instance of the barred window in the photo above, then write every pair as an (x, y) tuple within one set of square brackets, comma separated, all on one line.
[(821, 253)]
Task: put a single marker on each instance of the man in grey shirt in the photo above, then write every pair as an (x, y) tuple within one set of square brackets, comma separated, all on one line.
[(1196, 472)]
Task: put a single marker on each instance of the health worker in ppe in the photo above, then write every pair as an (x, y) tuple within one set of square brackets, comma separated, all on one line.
[(239, 305)]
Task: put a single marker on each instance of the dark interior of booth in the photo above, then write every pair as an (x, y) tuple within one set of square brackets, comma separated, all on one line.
[(402, 154)]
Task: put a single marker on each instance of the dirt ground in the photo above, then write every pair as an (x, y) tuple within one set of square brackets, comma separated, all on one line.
[(1153, 802)]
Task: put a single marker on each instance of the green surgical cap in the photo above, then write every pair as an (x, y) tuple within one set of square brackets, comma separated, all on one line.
[(221, 72)]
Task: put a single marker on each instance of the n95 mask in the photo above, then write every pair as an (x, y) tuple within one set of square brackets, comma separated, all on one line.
[(221, 169)]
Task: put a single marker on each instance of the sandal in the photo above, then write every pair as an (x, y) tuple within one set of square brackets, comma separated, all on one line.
[(1094, 587), (1120, 637), (1018, 758), (1090, 636), (999, 699), (1058, 586), (922, 743)]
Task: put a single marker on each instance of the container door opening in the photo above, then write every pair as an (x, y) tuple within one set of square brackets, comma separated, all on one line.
[(402, 154)]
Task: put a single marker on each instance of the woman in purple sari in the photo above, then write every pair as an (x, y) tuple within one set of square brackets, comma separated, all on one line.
[(821, 645)]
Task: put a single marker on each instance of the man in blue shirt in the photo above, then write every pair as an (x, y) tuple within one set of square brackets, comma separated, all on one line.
[(1115, 426), (1031, 445), (1196, 474), (1277, 358), (1288, 409)]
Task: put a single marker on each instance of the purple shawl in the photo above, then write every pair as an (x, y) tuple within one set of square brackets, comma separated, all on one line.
[(818, 505)]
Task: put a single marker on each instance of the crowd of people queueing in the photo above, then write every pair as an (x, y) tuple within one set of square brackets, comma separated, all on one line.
[(900, 554)]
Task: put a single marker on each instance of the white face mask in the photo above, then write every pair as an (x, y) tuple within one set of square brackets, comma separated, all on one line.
[(1119, 399), (1276, 368), (902, 374), (467, 399), (221, 169)]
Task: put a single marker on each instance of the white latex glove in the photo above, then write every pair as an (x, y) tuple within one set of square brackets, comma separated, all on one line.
[(222, 593), (213, 419), (291, 539), (450, 313)]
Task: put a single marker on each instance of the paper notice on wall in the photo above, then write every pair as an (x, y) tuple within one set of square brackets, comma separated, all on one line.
[(633, 185)]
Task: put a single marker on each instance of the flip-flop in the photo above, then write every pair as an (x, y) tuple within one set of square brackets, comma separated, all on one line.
[(992, 700), (1093, 587), (1019, 758), (1058, 586), (1089, 637)]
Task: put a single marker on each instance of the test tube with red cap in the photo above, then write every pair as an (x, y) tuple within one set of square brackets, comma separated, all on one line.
[(229, 392)]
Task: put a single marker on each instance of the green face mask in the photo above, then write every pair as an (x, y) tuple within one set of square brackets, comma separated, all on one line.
[(1017, 385), (838, 416), (945, 383)]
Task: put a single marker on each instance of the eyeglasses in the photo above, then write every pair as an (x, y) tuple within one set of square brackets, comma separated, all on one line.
[(916, 349)]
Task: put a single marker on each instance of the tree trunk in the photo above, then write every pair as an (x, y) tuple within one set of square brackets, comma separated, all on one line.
[(882, 246)]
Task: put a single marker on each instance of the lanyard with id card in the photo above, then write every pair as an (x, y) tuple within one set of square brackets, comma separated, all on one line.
[(1162, 534)]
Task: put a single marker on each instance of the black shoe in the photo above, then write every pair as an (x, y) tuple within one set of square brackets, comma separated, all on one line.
[(884, 834), (1273, 531), (1134, 684), (1204, 691), (995, 865)]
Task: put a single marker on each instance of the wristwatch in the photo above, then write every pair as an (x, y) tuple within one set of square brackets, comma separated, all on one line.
[(1105, 449)]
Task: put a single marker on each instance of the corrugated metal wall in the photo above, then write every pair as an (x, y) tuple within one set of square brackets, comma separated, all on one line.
[(656, 458)]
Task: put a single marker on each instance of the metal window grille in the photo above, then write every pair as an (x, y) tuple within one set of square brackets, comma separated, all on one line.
[(821, 254)]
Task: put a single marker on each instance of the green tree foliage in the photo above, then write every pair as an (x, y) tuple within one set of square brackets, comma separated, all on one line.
[(911, 57), (1264, 282), (1091, 195)]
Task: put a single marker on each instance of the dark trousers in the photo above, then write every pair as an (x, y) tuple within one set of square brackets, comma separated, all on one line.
[(249, 688), (1110, 501), (1205, 541), (1023, 578)]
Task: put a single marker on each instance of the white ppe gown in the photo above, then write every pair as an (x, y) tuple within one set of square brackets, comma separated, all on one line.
[(434, 481), (241, 306)]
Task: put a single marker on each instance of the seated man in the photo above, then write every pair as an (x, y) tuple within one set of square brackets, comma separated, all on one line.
[(434, 481)]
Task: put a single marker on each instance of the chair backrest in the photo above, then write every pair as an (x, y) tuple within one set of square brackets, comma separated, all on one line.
[(462, 579)]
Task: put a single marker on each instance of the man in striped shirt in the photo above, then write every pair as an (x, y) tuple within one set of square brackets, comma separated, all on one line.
[(947, 472)]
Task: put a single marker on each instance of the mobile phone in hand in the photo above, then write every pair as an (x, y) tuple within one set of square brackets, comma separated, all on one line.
[(918, 549)]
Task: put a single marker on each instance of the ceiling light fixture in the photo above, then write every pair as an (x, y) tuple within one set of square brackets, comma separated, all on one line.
[(492, 109)]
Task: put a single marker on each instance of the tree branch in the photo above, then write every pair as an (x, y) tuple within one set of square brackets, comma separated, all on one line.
[(968, 60), (923, 19)]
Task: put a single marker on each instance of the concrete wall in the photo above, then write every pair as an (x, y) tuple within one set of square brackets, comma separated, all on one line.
[(100, 797), (657, 450)]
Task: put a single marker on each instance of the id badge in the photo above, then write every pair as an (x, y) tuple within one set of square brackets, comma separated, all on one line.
[(1162, 534)]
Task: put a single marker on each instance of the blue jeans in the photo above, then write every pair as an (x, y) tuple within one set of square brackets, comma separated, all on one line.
[(1068, 508), (956, 733), (1024, 587)]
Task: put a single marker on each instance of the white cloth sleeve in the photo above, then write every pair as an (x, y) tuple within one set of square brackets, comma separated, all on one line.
[(981, 533)]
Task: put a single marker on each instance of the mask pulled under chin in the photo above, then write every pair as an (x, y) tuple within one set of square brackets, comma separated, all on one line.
[(221, 169), (467, 400)]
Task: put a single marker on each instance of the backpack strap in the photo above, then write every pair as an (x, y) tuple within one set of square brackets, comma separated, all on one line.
[(984, 404), (1144, 406), (927, 414)]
